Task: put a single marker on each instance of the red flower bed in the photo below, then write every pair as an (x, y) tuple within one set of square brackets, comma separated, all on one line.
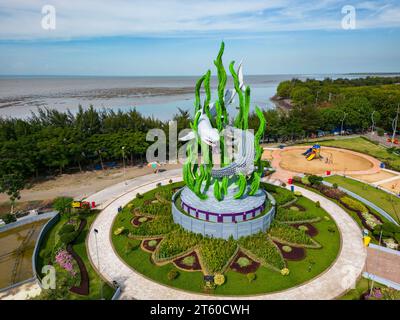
[(296, 254), (149, 247), (252, 267), (311, 230), (193, 267)]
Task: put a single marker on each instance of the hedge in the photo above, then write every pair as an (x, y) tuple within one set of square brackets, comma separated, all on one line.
[(289, 234), (354, 204)]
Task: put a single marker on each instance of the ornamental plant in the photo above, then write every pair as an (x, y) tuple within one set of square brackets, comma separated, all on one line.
[(285, 272), (65, 261), (219, 279), (354, 204), (251, 276)]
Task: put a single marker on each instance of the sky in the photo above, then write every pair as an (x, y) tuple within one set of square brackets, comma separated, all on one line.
[(182, 37)]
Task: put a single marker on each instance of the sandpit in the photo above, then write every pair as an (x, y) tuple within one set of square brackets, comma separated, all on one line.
[(335, 160), (393, 186), (375, 177)]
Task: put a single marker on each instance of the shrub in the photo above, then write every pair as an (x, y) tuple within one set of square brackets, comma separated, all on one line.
[(297, 179), (380, 132), (119, 230), (170, 181), (287, 249), (284, 214), (294, 208), (189, 261), (62, 204), (335, 186), (262, 247), (67, 238), (305, 181), (177, 242), (139, 196), (9, 218), (243, 262), (297, 194), (285, 271), (131, 245), (251, 276), (283, 185), (173, 274), (303, 228), (219, 279), (158, 184), (317, 204), (287, 233), (315, 179), (152, 243), (66, 228), (216, 253), (390, 227), (354, 204), (142, 219), (333, 193)]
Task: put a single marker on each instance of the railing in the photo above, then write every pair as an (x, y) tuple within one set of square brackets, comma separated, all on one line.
[(39, 241), (27, 220)]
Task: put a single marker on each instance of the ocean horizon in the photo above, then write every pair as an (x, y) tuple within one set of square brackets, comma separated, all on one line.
[(157, 96)]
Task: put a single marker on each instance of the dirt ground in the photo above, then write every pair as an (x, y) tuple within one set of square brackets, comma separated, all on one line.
[(81, 185), (393, 186), (332, 159), (267, 155), (382, 175)]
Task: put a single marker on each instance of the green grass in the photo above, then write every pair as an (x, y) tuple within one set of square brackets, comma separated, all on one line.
[(267, 280), (95, 281), (362, 286), (363, 145), (384, 200)]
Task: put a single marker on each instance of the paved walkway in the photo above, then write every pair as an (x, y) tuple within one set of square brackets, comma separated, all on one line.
[(332, 283), (384, 264)]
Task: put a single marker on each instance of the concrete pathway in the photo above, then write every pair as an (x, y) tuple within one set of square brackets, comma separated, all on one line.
[(384, 263), (332, 283)]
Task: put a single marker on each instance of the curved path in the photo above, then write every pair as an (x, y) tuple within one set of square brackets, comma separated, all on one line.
[(341, 276)]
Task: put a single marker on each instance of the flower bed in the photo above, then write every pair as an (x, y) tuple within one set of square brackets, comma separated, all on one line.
[(286, 233), (139, 220), (151, 244), (175, 243), (295, 254), (287, 215), (244, 264), (309, 228), (189, 262), (264, 249)]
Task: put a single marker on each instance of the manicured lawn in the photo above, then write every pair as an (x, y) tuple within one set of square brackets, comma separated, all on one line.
[(365, 146), (362, 286), (384, 200), (267, 280), (95, 281)]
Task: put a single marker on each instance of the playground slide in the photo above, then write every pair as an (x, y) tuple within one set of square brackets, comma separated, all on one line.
[(307, 152), (311, 156)]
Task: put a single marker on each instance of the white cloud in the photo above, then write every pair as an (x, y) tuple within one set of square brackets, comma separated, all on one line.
[(96, 18)]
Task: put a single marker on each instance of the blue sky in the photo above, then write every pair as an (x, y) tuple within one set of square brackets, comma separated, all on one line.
[(181, 37)]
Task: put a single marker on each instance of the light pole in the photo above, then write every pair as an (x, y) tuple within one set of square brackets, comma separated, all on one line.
[(98, 261), (123, 161), (341, 128), (394, 125), (373, 122)]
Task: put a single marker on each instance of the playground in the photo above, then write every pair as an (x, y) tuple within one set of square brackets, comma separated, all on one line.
[(292, 160)]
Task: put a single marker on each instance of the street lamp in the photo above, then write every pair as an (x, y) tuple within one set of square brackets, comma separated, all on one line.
[(341, 128), (373, 121), (123, 161), (98, 262)]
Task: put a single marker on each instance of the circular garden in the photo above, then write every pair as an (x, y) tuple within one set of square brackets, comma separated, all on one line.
[(302, 242)]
